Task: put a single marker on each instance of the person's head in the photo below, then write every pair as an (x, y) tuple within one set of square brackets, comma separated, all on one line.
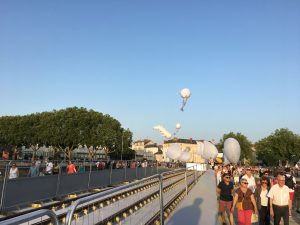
[(281, 180), (13, 165), (265, 182), (244, 183), (226, 177), (70, 162), (287, 170), (248, 171)]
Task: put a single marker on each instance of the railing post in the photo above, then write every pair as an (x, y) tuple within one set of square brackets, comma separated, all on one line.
[(125, 171), (161, 200), (90, 172), (194, 175), (4, 186), (186, 184), (58, 180), (110, 172), (136, 172)]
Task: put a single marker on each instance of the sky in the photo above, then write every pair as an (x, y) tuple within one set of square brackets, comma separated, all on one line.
[(130, 59)]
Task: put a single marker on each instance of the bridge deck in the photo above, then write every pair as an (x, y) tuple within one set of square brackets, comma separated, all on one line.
[(200, 206)]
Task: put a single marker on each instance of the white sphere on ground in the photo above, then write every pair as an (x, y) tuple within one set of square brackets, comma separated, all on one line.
[(185, 93), (185, 157), (178, 125), (174, 151), (210, 151), (200, 148), (232, 150)]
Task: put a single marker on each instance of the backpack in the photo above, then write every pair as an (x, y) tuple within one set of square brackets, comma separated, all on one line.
[(289, 182)]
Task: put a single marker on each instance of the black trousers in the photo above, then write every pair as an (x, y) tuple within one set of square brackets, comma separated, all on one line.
[(264, 215), (281, 211)]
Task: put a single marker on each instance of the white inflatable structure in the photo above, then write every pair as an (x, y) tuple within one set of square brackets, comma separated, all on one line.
[(232, 150)]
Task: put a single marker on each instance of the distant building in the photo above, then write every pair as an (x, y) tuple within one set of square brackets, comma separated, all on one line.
[(185, 144), (145, 149)]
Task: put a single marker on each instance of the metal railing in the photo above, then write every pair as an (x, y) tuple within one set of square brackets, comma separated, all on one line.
[(31, 216), (98, 196)]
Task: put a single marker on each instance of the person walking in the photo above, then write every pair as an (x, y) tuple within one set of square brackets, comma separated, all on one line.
[(33, 171), (262, 201), (71, 168), (225, 189), (280, 202), (245, 203), (250, 179), (13, 172), (49, 167), (290, 181)]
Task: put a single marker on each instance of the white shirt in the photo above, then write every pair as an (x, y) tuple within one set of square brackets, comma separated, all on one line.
[(13, 173), (49, 167), (251, 182), (280, 195), (264, 197)]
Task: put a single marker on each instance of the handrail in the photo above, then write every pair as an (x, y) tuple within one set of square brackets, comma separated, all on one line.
[(31, 216), (72, 209)]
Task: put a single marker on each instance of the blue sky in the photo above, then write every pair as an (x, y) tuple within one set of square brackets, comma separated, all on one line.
[(130, 59)]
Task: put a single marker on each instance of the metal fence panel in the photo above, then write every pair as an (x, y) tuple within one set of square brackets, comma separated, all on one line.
[(99, 178), (73, 183), (130, 174), (117, 176), (22, 191)]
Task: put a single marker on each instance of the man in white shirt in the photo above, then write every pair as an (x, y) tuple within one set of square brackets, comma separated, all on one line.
[(250, 179), (49, 167), (280, 203)]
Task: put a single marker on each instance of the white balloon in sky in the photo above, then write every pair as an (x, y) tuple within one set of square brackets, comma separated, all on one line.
[(200, 148), (232, 150), (185, 94), (210, 151), (174, 151), (178, 126), (185, 157)]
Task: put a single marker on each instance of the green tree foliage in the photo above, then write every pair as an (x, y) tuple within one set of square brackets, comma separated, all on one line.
[(246, 152), (64, 130), (281, 145)]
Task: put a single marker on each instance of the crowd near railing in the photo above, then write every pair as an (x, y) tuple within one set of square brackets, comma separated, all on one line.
[(24, 190), (71, 211)]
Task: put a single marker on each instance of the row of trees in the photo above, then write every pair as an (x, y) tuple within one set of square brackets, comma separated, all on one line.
[(281, 145), (65, 130)]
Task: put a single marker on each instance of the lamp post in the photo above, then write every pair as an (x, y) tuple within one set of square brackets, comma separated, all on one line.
[(122, 147)]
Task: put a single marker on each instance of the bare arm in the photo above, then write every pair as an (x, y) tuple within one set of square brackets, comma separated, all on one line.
[(235, 199), (254, 204), (218, 190), (271, 207)]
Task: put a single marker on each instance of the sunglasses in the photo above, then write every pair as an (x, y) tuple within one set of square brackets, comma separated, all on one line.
[(227, 177), (244, 183), (264, 182)]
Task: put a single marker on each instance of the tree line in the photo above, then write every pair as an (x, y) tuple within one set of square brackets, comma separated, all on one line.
[(281, 145), (64, 130)]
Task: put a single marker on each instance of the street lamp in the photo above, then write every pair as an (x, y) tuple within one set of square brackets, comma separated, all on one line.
[(122, 146)]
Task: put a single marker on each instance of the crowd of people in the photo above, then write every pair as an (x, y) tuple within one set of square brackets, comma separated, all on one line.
[(39, 167), (257, 194)]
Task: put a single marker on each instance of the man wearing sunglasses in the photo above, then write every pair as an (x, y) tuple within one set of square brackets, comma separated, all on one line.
[(225, 189)]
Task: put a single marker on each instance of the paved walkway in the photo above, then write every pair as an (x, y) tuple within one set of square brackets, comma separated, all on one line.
[(200, 206)]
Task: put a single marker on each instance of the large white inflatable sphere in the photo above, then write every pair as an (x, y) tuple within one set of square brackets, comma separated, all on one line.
[(174, 151), (185, 157), (185, 93), (232, 150), (178, 126), (226, 161), (200, 148), (209, 151)]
